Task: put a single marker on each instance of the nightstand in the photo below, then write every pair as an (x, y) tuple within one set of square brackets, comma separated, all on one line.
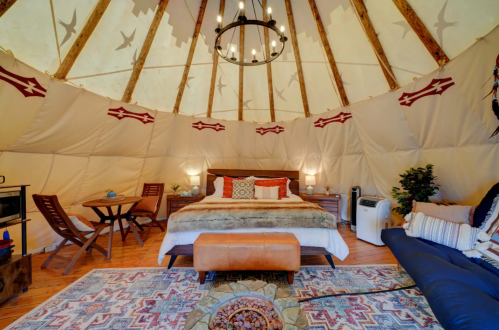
[(331, 203), (175, 203)]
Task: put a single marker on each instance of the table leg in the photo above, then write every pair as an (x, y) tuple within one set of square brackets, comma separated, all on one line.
[(123, 235), (132, 226), (110, 244)]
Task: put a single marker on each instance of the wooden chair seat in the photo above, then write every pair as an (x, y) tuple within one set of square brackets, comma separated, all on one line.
[(59, 221)]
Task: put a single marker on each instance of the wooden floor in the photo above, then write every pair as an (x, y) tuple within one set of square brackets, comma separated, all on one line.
[(128, 254)]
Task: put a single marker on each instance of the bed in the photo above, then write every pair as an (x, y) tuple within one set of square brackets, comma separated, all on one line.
[(313, 241)]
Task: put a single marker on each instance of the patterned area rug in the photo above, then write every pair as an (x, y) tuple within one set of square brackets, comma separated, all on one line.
[(158, 298)]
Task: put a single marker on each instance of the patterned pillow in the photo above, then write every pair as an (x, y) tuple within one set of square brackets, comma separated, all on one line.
[(458, 236), (281, 183), (491, 227), (243, 189), (227, 192)]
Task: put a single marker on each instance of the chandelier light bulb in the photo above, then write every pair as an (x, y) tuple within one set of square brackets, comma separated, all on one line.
[(253, 52), (273, 43), (233, 49), (269, 10), (241, 5), (282, 28), (219, 19)]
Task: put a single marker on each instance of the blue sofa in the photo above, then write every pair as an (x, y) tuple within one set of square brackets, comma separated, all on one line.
[(462, 292)]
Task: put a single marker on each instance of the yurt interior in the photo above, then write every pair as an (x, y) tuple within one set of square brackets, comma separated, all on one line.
[(249, 164)]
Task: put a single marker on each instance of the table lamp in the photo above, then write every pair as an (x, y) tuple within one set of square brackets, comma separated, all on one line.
[(310, 181), (195, 181)]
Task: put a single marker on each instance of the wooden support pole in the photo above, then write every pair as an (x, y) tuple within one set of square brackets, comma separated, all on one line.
[(215, 67), (139, 65), (294, 41), (422, 32), (5, 5), (329, 53), (82, 39), (181, 88), (240, 116), (373, 38), (269, 67)]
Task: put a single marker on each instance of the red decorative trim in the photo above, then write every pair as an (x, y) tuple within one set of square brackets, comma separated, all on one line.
[(275, 129), (436, 87), (121, 113), (339, 118), (27, 86), (216, 127)]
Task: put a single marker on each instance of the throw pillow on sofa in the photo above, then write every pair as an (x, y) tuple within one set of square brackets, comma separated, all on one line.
[(491, 227), (462, 237), (453, 213)]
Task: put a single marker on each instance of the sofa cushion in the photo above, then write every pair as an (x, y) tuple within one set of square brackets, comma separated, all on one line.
[(427, 261)]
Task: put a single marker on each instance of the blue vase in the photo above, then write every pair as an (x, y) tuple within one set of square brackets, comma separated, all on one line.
[(111, 194)]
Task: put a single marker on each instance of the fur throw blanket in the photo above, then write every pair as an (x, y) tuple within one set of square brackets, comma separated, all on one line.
[(250, 214)]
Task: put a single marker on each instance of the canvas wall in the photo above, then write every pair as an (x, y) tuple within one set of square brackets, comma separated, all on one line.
[(67, 141)]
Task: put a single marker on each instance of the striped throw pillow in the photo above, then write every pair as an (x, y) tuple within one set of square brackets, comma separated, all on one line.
[(458, 236), (266, 192)]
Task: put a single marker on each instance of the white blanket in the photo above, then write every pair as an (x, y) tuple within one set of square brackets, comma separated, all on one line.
[(330, 239)]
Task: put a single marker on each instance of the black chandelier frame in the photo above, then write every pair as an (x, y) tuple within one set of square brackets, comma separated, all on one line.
[(243, 21)]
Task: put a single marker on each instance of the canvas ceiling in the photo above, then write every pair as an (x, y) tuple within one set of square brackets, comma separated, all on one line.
[(105, 68), (72, 142)]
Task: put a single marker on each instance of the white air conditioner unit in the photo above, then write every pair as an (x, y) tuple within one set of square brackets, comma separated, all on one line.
[(373, 215)]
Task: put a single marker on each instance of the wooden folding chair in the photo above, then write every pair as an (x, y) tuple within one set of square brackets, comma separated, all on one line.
[(150, 189), (59, 221)]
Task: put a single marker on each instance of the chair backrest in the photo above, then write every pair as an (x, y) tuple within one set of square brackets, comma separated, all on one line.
[(55, 215), (154, 189)]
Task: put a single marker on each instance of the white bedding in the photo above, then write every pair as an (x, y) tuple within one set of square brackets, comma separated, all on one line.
[(330, 239)]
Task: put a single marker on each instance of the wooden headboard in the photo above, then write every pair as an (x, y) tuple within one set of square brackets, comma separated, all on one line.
[(294, 176)]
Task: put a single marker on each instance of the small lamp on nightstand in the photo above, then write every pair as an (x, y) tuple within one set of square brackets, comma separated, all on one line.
[(310, 181), (195, 181)]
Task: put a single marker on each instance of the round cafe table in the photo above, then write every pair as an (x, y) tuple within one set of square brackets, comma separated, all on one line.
[(111, 217)]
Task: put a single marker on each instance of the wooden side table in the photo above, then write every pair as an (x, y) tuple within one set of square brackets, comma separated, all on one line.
[(175, 203), (331, 203)]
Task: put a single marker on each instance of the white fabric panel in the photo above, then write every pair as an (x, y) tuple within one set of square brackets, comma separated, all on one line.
[(14, 118), (69, 122)]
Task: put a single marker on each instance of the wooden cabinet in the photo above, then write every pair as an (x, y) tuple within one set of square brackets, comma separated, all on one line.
[(331, 203), (15, 276), (175, 203)]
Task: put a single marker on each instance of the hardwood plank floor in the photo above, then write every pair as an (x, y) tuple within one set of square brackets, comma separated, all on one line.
[(47, 282)]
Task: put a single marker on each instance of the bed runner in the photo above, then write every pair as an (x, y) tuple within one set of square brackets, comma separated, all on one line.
[(250, 214)]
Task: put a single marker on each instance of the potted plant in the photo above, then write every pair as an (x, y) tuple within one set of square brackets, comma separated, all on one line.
[(417, 184), (175, 188), (327, 187)]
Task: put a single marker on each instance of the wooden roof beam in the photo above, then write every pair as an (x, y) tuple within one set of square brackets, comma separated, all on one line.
[(294, 41), (215, 67), (181, 88), (269, 67), (240, 116), (82, 39), (139, 65), (373, 38), (329, 53), (422, 32), (5, 5)]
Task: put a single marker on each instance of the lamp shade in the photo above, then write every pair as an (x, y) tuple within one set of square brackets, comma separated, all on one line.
[(195, 180), (310, 180)]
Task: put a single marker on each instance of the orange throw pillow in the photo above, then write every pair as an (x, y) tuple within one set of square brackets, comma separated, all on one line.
[(148, 204), (281, 183), (228, 186)]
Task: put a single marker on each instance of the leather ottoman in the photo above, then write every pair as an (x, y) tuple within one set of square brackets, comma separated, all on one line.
[(246, 251)]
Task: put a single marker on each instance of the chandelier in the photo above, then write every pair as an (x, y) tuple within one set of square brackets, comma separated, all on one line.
[(242, 20)]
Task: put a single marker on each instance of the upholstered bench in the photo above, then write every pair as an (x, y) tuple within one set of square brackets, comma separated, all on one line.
[(246, 251)]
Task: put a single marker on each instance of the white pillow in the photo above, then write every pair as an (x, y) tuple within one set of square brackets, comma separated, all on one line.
[(266, 192), (219, 186)]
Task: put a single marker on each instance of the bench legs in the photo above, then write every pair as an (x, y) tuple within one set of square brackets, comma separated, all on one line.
[(291, 277), (202, 277), (330, 260)]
